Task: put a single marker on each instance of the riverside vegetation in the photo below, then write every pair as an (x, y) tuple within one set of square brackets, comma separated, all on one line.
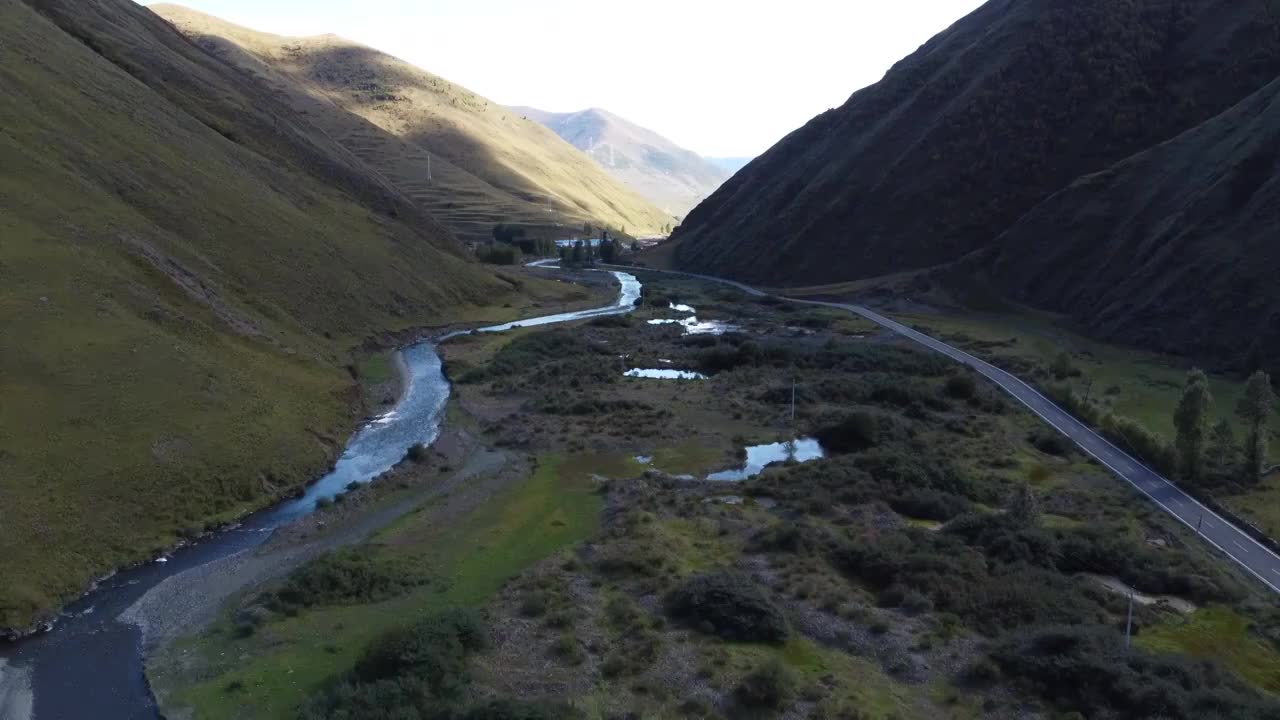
[(949, 558)]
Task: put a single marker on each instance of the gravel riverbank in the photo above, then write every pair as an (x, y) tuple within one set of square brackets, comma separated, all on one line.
[(188, 602)]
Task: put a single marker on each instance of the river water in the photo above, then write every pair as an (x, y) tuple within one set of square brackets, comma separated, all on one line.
[(89, 667)]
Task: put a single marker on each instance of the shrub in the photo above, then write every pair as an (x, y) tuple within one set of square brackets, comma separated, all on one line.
[(566, 648), (409, 673), (961, 387), (499, 254), (344, 576), (434, 649), (925, 504), (771, 685), (534, 605), (1051, 443), (856, 432), (1088, 670), (1062, 367), (728, 604), (419, 453)]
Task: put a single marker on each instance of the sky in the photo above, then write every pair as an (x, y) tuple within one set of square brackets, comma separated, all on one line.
[(723, 78)]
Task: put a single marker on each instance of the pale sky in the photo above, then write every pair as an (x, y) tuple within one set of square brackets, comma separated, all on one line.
[(719, 77)]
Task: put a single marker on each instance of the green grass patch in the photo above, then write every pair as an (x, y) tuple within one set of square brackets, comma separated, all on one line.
[(1218, 633), (375, 369), (859, 683), (690, 458), (289, 660)]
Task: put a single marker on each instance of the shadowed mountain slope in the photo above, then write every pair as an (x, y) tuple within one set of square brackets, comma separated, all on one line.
[(1173, 249), (987, 119)]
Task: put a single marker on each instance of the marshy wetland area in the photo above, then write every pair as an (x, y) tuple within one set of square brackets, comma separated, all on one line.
[(927, 549)]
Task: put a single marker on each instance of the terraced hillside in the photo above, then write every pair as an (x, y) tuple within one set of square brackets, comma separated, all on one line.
[(487, 163)]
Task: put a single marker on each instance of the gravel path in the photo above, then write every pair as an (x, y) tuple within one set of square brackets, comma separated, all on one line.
[(186, 603)]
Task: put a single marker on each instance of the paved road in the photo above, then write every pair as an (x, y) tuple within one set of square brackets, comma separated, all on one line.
[(1255, 558)]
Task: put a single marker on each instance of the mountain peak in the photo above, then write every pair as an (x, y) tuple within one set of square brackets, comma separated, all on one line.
[(672, 177)]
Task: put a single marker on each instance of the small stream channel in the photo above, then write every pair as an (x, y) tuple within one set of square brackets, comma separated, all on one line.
[(90, 664)]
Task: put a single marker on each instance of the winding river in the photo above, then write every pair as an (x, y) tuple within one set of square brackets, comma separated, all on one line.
[(90, 664)]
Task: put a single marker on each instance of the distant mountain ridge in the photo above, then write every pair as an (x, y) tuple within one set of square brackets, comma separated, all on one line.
[(673, 178), (986, 120)]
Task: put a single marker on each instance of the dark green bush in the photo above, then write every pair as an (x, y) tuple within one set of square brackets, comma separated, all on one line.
[(1051, 442), (1088, 670), (925, 504), (962, 386), (771, 686), (344, 576), (419, 453), (728, 604), (434, 649), (499, 254), (413, 673), (856, 432)]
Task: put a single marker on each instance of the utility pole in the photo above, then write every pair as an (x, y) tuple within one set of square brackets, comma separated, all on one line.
[(793, 401), (429, 167), (1128, 626)]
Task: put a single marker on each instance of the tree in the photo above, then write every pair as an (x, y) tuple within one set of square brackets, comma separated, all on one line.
[(1062, 367), (578, 256), (1255, 408), (1191, 418), (505, 233), (609, 251), (1222, 446), (635, 246), (586, 228)]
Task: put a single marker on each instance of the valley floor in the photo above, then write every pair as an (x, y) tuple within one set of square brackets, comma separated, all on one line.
[(560, 553)]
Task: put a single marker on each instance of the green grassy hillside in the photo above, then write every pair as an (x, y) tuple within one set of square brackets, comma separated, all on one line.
[(181, 292)]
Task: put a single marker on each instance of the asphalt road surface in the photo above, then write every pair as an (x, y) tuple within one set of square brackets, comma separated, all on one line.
[(1239, 546)]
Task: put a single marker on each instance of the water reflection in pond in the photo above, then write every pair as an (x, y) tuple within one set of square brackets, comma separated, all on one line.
[(693, 326), (761, 456), (664, 374)]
